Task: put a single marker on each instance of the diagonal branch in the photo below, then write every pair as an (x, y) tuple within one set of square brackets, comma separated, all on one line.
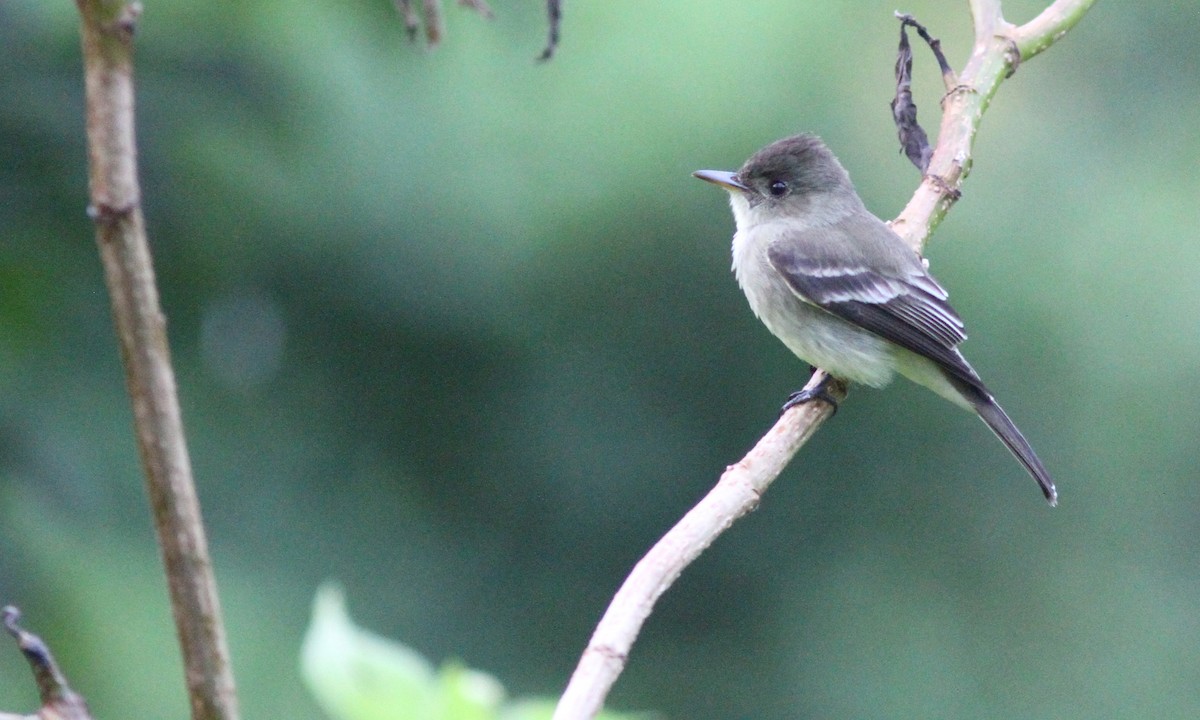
[(736, 493), (59, 701), (107, 28), (999, 47), (1044, 30)]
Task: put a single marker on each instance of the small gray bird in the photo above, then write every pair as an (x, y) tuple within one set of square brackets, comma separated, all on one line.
[(843, 291)]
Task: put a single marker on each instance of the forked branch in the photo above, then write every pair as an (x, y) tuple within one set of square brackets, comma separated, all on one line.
[(999, 48)]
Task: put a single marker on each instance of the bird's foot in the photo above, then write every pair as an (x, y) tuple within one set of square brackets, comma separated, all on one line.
[(820, 391)]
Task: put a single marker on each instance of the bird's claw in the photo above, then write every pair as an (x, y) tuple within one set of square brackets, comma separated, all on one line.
[(820, 392)]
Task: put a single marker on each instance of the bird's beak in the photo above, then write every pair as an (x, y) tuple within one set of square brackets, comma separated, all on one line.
[(727, 180)]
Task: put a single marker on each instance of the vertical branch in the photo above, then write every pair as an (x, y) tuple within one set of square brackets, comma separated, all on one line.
[(107, 28), (985, 14), (554, 12)]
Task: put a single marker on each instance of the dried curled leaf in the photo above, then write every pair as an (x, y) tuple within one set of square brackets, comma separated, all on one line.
[(913, 140)]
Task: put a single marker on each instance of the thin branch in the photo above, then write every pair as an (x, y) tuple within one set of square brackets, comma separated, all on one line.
[(107, 30), (741, 486), (554, 14), (59, 701), (935, 46), (479, 6), (435, 23), (736, 493), (412, 22), (999, 49), (1047, 28)]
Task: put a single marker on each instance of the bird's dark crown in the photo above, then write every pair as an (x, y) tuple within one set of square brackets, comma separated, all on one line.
[(802, 161)]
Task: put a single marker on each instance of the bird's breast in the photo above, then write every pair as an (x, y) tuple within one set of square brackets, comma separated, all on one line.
[(814, 335)]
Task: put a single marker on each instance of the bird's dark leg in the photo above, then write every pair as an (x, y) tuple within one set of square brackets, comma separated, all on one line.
[(820, 391)]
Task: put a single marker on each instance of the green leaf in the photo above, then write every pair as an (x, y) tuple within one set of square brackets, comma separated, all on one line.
[(468, 694), (357, 675)]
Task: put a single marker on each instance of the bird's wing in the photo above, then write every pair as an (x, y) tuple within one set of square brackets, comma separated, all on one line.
[(892, 296)]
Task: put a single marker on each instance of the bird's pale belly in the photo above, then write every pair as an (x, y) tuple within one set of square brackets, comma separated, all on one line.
[(820, 338), (832, 344)]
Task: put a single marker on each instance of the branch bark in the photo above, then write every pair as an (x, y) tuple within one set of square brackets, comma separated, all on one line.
[(737, 492), (107, 29), (998, 50)]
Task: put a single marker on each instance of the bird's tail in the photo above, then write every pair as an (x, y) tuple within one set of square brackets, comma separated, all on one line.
[(991, 413)]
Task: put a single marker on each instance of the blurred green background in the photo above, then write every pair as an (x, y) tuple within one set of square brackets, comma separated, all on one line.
[(458, 329)]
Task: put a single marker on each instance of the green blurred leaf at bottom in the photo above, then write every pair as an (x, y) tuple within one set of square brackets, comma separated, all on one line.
[(357, 675)]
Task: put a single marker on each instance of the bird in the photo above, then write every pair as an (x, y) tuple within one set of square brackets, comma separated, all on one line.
[(844, 292)]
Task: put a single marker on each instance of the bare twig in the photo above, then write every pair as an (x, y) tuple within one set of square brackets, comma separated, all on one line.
[(435, 21), (479, 6), (107, 36), (999, 47), (1047, 28), (935, 45), (554, 13), (412, 23), (736, 493), (435, 24), (742, 484), (59, 701)]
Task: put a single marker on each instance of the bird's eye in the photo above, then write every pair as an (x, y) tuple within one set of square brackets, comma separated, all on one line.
[(778, 188)]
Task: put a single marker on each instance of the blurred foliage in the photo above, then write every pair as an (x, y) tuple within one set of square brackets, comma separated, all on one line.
[(458, 328), (357, 675)]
